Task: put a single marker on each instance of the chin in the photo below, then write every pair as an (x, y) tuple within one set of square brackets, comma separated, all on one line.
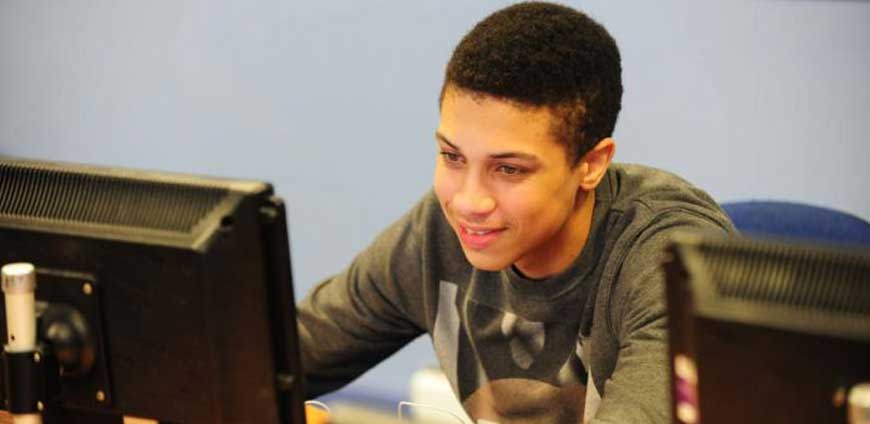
[(486, 262)]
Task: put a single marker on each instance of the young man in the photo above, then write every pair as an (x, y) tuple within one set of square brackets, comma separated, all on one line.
[(534, 263)]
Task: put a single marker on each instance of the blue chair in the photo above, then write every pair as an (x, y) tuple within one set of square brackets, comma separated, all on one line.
[(798, 220)]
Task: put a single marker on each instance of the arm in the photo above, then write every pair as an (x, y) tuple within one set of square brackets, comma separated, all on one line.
[(352, 321), (638, 390)]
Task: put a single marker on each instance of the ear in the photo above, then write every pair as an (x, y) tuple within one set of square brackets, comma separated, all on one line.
[(595, 163)]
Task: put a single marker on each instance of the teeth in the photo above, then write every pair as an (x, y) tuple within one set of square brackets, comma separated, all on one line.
[(479, 233)]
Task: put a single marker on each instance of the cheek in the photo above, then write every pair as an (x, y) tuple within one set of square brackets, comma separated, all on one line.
[(537, 209), (443, 184), (533, 212)]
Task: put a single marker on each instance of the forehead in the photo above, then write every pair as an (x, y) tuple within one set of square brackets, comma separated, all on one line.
[(481, 121)]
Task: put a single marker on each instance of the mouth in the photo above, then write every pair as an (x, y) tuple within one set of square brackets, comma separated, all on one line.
[(477, 238)]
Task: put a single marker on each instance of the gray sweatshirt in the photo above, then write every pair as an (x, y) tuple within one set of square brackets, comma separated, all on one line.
[(591, 340)]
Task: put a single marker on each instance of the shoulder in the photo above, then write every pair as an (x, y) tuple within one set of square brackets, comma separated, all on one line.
[(422, 232), (423, 217), (647, 207), (644, 197)]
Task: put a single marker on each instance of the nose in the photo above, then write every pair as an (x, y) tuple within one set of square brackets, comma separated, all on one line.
[(473, 200)]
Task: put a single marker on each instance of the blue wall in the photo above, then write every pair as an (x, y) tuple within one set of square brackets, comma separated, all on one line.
[(335, 102)]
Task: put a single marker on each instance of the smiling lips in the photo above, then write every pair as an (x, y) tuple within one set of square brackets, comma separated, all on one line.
[(478, 238)]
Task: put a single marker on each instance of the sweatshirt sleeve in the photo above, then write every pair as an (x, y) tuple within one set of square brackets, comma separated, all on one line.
[(638, 391), (350, 322)]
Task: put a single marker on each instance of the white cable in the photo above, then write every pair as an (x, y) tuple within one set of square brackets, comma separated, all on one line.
[(319, 404)]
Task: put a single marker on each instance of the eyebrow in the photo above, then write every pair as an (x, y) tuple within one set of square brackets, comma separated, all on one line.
[(505, 155)]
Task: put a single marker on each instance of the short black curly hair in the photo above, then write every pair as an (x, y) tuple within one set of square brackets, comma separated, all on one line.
[(545, 55)]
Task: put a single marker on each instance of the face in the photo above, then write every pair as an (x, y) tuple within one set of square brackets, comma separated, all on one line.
[(506, 186)]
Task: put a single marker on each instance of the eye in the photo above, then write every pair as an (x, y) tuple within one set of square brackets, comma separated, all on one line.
[(451, 157), (509, 170)]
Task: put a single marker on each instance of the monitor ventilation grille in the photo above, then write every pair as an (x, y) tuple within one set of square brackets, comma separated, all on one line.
[(811, 280), (33, 192)]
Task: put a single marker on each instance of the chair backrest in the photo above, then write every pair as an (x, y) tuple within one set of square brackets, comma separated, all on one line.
[(798, 220)]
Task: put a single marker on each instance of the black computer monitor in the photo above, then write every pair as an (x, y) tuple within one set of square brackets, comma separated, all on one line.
[(184, 283), (765, 331)]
